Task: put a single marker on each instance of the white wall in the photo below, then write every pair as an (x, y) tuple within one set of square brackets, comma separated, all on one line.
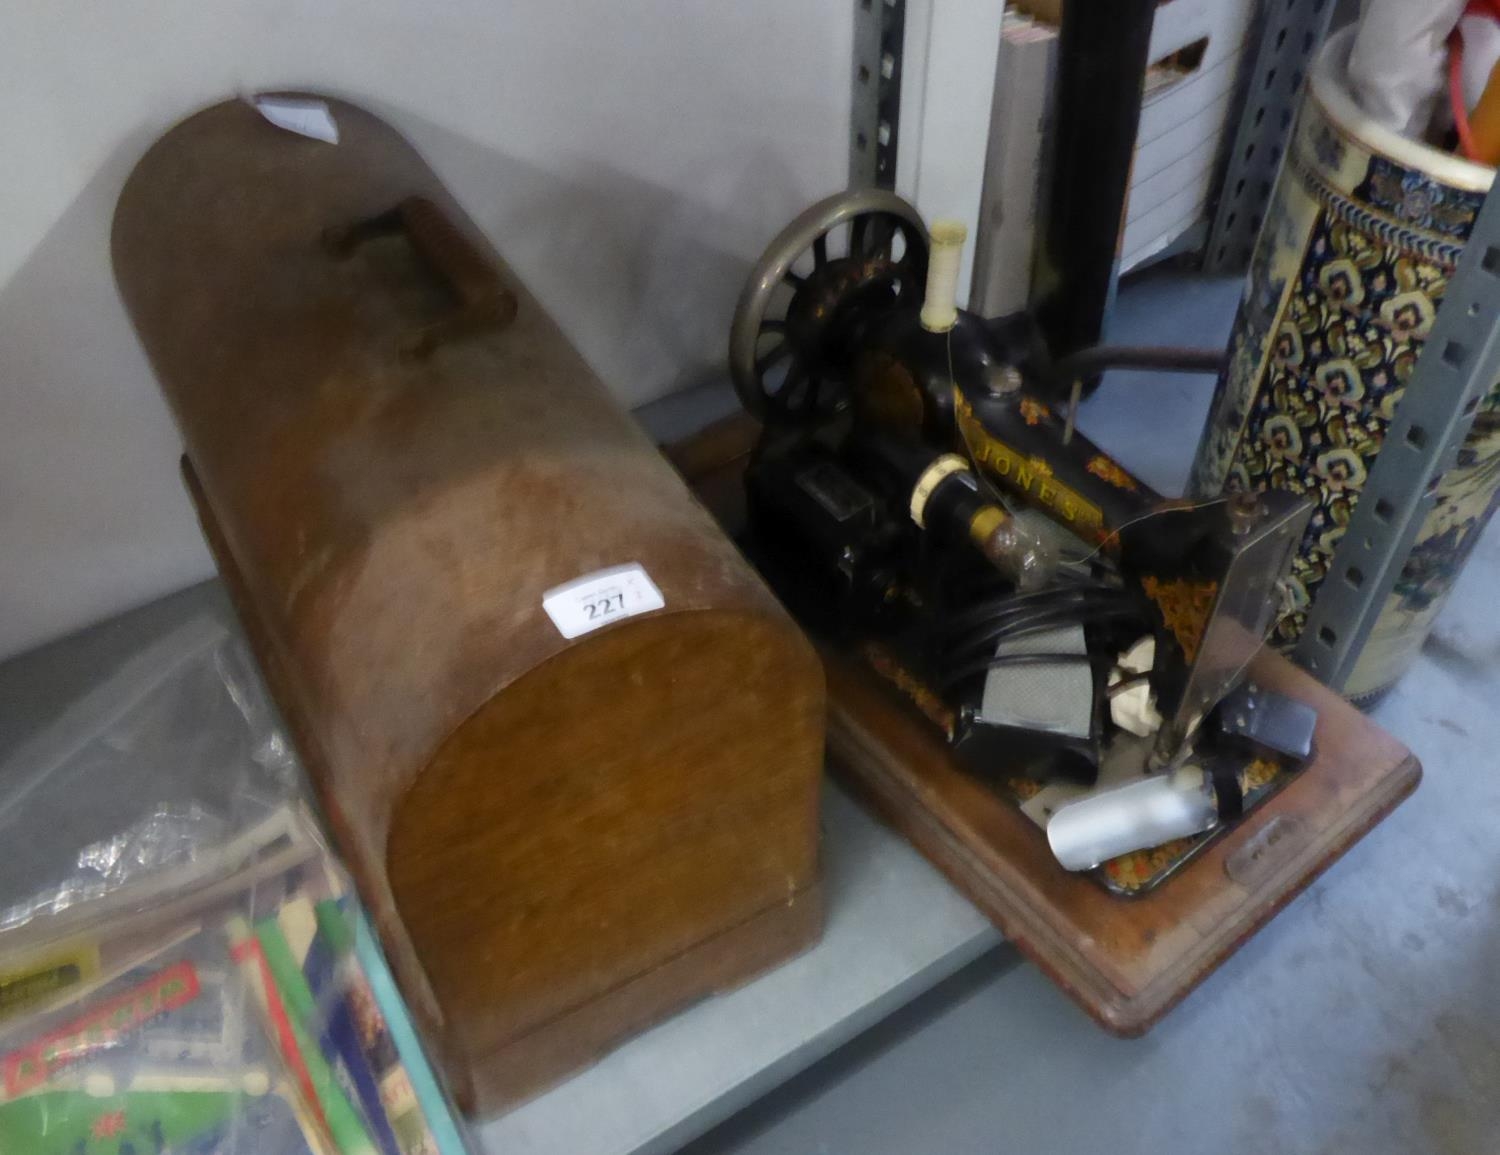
[(948, 76), (629, 157)]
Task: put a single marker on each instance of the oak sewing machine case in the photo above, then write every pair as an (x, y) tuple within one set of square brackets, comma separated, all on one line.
[(567, 741)]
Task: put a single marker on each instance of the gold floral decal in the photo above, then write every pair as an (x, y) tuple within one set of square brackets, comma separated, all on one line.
[(1139, 868), (1260, 772), (1101, 466), (1033, 411), (884, 664), (1184, 607)]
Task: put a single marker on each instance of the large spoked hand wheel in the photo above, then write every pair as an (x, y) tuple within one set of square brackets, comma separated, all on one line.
[(790, 335)]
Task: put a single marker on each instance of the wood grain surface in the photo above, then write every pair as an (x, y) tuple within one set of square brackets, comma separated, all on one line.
[(395, 453)]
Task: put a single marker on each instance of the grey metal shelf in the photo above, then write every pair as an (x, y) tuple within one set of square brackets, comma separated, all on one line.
[(1291, 32), (875, 107)]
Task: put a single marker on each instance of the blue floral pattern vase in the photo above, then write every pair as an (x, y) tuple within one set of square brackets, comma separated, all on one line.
[(1363, 231)]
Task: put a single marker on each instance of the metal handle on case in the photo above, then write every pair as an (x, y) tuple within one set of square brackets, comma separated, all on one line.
[(485, 303)]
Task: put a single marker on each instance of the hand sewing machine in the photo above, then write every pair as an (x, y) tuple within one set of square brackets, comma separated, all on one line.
[(920, 495)]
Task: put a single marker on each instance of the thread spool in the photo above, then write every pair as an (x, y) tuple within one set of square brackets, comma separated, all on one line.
[(939, 307)]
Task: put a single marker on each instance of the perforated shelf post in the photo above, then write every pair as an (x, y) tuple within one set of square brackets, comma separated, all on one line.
[(1291, 34)]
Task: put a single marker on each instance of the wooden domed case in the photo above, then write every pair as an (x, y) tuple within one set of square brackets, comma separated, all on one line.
[(396, 455)]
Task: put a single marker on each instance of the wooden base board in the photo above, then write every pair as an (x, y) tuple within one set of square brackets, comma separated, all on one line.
[(1125, 961)]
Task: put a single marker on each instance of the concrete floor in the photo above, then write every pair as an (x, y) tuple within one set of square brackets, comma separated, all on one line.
[(1364, 1019)]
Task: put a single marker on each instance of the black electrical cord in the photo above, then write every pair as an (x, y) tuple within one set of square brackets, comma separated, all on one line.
[(984, 632), (980, 613), (975, 589), (984, 637), (1129, 683), (978, 666), (975, 668), (970, 658), (983, 612), (1119, 687)]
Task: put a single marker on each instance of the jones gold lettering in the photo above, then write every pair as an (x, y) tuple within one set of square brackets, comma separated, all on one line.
[(1007, 466)]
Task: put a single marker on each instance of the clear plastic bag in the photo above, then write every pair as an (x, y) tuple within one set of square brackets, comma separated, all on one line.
[(183, 966), (164, 762)]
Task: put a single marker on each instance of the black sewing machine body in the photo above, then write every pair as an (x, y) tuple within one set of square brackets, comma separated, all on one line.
[(888, 503)]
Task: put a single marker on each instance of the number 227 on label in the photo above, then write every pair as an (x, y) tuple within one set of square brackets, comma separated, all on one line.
[(599, 598)]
